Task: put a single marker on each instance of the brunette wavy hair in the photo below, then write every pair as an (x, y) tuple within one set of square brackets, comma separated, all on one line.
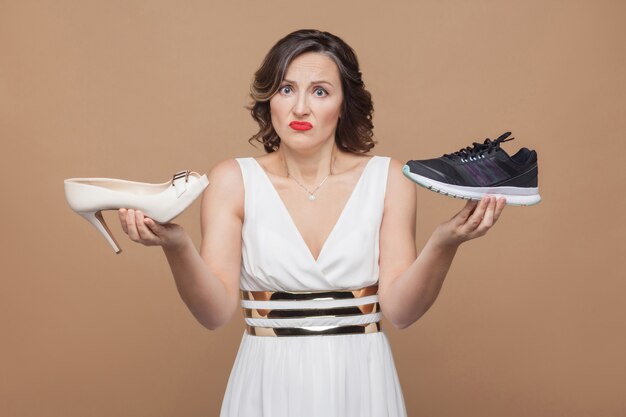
[(354, 128)]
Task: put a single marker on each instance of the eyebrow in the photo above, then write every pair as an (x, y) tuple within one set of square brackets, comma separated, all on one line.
[(312, 82)]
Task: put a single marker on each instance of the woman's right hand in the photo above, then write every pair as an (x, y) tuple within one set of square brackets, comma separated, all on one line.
[(146, 231)]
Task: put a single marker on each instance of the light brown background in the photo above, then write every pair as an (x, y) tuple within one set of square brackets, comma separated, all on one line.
[(530, 321)]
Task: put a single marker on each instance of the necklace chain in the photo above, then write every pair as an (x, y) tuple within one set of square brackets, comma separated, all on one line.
[(311, 193)]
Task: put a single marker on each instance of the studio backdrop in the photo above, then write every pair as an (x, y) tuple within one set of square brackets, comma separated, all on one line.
[(529, 321)]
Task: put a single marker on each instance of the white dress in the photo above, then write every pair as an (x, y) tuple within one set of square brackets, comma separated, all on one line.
[(345, 375)]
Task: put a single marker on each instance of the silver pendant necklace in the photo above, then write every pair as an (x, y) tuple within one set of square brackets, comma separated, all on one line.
[(311, 193)]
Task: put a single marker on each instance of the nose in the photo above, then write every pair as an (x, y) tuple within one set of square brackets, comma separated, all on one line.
[(301, 106)]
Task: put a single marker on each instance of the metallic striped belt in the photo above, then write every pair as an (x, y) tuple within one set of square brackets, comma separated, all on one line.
[(283, 313)]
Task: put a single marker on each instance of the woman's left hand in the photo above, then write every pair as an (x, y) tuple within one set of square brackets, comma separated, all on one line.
[(473, 221)]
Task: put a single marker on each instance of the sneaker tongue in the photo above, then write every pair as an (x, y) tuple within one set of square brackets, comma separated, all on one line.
[(501, 153), (488, 144), (495, 144), (470, 151)]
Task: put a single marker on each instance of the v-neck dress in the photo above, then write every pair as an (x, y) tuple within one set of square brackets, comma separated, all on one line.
[(345, 375)]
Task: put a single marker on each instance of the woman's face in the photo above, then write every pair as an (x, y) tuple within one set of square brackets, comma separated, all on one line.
[(311, 94)]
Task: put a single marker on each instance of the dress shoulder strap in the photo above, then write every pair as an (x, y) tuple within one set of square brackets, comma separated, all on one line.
[(377, 182)]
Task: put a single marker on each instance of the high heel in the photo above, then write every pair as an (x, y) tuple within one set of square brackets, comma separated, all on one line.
[(161, 202), (97, 220)]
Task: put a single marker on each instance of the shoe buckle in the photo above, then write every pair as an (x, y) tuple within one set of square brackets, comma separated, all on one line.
[(181, 174)]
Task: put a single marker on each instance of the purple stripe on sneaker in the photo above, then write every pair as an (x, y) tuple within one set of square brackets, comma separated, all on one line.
[(485, 171), (500, 173), (475, 174)]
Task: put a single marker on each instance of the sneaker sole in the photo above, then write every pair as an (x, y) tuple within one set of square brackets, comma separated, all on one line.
[(515, 196)]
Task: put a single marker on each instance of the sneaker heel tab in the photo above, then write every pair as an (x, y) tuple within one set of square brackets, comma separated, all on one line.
[(525, 156)]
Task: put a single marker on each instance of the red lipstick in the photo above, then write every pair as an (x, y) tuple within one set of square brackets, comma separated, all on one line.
[(300, 125)]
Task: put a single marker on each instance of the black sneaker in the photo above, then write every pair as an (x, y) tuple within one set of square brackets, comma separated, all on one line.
[(483, 169)]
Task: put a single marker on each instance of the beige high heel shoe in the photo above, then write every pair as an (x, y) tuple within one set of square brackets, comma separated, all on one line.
[(161, 202)]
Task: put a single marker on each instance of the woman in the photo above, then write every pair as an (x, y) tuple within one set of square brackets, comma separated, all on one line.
[(314, 240)]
